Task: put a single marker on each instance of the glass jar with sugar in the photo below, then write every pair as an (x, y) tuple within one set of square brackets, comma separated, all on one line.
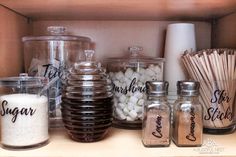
[(24, 112)]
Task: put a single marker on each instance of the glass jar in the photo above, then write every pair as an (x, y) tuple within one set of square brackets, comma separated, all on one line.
[(157, 115), (24, 112), (87, 101), (47, 56), (129, 75), (188, 115)]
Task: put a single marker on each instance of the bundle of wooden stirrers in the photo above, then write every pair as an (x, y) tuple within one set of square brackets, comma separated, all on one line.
[(216, 72)]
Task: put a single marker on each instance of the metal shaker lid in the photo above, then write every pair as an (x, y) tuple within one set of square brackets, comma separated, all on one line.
[(188, 88), (157, 88)]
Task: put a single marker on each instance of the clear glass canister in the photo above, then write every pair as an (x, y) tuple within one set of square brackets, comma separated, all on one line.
[(129, 75), (87, 101), (24, 112), (48, 56)]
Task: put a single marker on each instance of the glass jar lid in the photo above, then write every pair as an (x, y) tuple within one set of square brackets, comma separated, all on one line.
[(56, 33), (87, 80), (23, 81), (135, 56)]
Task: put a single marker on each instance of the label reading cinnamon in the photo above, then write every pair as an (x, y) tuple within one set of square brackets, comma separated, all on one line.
[(191, 135), (189, 127)]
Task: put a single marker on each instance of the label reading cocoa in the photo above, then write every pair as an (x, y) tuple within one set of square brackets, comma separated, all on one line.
[(157, 129), (158, 132)]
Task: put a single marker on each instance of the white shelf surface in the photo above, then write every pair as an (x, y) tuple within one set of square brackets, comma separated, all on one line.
[(121, 143)]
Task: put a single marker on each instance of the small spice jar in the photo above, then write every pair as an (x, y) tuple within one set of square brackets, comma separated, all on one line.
[(188, 115), (156, 119), (24, 112)]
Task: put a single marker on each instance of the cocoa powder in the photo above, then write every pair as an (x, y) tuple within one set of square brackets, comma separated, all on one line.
[(157, 128)]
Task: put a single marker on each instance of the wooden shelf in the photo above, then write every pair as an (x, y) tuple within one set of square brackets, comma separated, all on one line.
[(122, 9), (125, 143)]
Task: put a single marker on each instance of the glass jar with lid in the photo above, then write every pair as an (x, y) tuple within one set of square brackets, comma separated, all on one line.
[(24, 112), (129, 75), (48, 56), (87, 101)]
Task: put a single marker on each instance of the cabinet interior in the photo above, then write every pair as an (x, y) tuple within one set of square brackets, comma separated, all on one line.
[(113, 30)]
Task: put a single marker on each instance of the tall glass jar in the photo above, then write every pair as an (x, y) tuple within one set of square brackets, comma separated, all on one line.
[(188, 115), (156, 119), (129, 75), (48, 56)]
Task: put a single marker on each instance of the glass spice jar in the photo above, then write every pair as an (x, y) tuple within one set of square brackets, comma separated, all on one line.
[(129, 75), (188, 115), (157, 113)]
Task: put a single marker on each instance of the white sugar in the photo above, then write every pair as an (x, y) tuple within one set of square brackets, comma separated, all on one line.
[(24, 119)]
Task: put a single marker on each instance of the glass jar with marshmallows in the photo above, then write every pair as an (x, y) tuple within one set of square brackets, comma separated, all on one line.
[(129, 75)]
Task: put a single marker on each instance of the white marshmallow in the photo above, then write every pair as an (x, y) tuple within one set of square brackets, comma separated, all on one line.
[(121, 105), (133, 100), (157, 70), (128, 72), (128, 118), (120, 114), (117, 83), (143, 78), (135, 75), (127, 81), (122, 99), (138, 95), (133, 114), (130, 106), (149, 72), (141, 71), (141, 102), (119, 75), (126, 111), (140, 116), (138, 109), (117, 94)]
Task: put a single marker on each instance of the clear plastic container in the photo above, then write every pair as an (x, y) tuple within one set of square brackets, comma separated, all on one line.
[(129, 75), (24, 112), (48, 56)]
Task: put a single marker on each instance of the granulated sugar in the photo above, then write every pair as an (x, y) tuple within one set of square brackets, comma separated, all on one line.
[(24, 119)]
